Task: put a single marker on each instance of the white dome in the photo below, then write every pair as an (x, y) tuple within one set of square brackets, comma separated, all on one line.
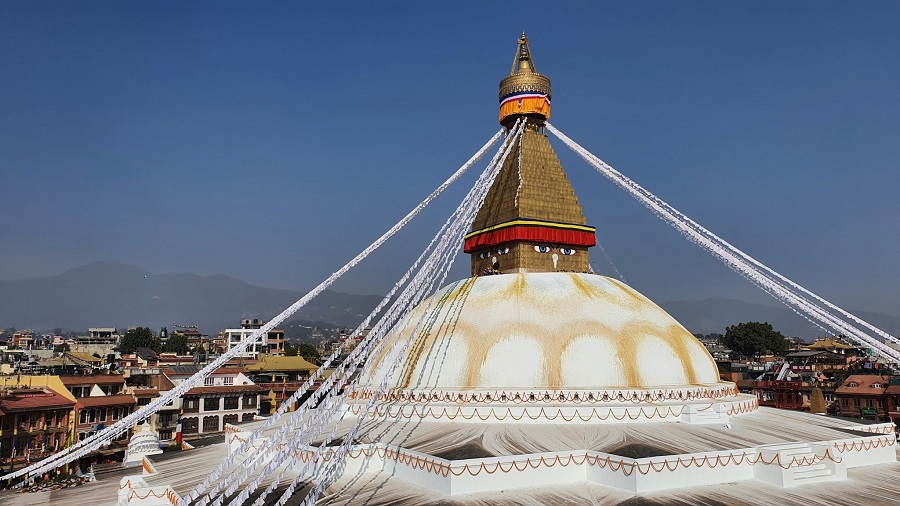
[(557, 331)]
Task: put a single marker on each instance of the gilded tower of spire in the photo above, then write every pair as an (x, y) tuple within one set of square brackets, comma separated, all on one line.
[(531, 220)]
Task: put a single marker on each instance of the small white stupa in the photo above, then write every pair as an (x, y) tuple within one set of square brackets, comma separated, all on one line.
[(143, 442)]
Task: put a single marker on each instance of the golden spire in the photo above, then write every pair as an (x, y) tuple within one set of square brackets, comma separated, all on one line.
[(524, 91), (523, 57), (531, 220)]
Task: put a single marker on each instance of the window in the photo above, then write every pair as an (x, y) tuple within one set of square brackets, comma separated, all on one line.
[(845, 402), (143, 401), (92, 417), (191, 404), (853, 384), (247, 417), (211, 404), (115, 413), (83, 417), (165, 435), (210, 423), (189, 425), (208, 381), (228, 380), (103, 414), (231, 403), (230, 419), (249, 401)]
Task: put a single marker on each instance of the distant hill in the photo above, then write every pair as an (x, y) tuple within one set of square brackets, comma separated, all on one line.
[(112, 294), (117, 295), (713, 315)]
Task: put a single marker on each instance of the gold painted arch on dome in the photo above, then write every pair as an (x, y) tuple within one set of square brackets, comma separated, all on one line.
[(564, 330)]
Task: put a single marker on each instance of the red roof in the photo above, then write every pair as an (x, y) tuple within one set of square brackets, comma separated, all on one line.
[(225, 390), (146, 392), (28, 399), (105, 401), (863, 384), (99, 379)]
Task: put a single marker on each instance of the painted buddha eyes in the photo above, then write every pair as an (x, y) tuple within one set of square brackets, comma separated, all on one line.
[(536, 247), (547, 249), (485, 254)]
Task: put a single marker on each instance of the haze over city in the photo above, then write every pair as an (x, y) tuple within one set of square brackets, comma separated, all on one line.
[(272, 143)]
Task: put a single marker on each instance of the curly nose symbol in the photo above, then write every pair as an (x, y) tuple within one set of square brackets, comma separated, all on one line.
[(555, 258)]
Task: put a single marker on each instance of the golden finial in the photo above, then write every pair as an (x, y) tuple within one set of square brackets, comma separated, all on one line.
[(524, 91), (522, 57)]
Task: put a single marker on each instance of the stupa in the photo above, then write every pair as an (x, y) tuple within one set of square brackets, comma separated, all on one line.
[(144, 442), (537, 372), (534, 336), (539, 381)]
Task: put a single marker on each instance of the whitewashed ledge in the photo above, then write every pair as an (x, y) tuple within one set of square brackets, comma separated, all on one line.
[(694, 412), (782, 465)]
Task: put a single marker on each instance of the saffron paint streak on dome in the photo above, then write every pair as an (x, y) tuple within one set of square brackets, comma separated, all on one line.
[(543, 330)]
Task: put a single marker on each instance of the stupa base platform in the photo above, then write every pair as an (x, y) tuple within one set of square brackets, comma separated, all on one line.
[(411, 461), (784, 449), (869, 486)]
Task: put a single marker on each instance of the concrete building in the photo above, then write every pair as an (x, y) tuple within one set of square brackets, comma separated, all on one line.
[(227, 396), (271, 344)]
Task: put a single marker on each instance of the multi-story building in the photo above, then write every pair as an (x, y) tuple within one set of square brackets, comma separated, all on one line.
[(814, 362), (23, 339), (893, 396), (227, 396), (863, 396), (99, 335), (141, 358), (34, 422), (270, 344), (148, 384), (281, 377), (94, 384), (99, 401)]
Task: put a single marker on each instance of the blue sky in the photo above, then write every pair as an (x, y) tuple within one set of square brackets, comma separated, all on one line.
[(273, 141)]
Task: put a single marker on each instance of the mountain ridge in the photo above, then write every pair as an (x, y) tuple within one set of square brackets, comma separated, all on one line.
[(113, 294)]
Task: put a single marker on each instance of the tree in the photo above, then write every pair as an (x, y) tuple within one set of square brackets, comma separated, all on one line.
[(62, 347), (176, 344), (138, 337), (305, 350), (752, 339), (308, 351)]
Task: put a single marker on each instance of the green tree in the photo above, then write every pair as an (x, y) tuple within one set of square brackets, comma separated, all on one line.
[(176, 344), (752, 339), (63, 347), (139, 337), (307, 351)]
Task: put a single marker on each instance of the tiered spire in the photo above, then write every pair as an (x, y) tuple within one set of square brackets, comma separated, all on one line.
[(531, 220)]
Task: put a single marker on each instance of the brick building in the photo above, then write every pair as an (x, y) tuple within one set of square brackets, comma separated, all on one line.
[(864, 396), (34, 422)]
